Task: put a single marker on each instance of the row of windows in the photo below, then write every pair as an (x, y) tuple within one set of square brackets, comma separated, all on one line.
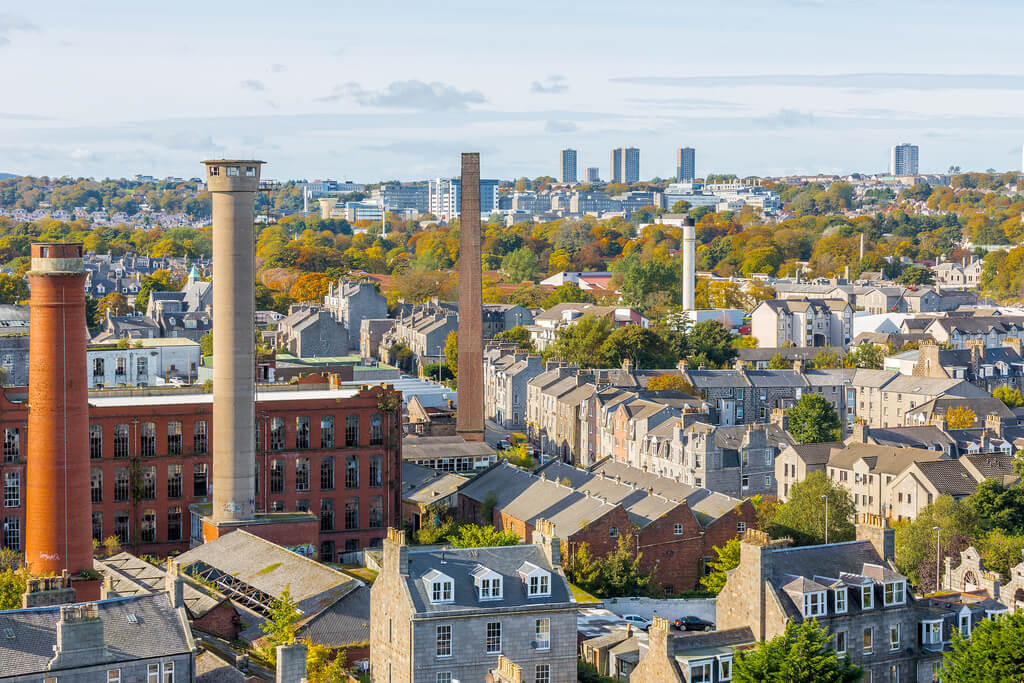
[(147, 483), (147, 526), (493, 637), (327, 480), (155, 673)]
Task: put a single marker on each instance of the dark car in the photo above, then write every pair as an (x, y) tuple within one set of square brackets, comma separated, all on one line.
[(693, 624)]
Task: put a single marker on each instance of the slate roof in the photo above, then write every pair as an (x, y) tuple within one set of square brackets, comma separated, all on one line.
[(130, 575), (712, 379), (732, 437), (948, 477), (345, 622), (211, 668), (458, 565), (441, 486), (815, 453), (158, 631), (923, 436), (884, 459)]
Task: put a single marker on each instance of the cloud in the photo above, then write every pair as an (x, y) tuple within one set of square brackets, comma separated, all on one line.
[(552, 85), (338, 51), (277, 68), (253, 84), (429, 149), (789, 118), (11, 24), (689, 103), (9, 116), (560, 127), (869, 81), (413, 94)]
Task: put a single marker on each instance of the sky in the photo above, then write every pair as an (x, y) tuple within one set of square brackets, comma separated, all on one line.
[(369, 91)]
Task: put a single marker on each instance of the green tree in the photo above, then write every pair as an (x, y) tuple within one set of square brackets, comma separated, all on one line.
[(641, 277), (570, 292), (993, 652), (826, 360), (915, 539), (581, 343), (870, 356), (621, 573), (1011, 396), (325, 664), (640, 345), (13, 288), (802, 516), (916, 275), (802, 654), (711, 340), (114, 303), (813, 420), (451, 353), (728, 558), (280, 628), (582, 567), (206, 344), (486, 536), (518, 335), (12, 587), (779, 362), (520, 265), (517, 455)]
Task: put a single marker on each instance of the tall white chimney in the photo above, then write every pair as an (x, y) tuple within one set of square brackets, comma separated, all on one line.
[(689, 265)]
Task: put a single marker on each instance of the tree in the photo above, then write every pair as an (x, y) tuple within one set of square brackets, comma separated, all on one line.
[(779, 362), (518, 335), (206, 344), (325, 664), (916, 275), (518, 456), (960, 417), (641, 277), (813, 420), (802, 654), (826, 360), (802, 516), (451, 353), (993, 652), (280, 628), (438, 372), (311, 287), (581, 343), (581, 567), (869, 356), (12, 587), (1012, 397), (114, 303), (520, 265), (710, 339), (570, 292), (13, 288), (671, 382), (915, 539), (641, 345), (728, 558), (486, 536)]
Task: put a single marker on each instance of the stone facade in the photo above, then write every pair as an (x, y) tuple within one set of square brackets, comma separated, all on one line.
[(351, 302)]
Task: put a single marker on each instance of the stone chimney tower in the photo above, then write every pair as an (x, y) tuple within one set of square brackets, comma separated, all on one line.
[(469, 421), (689, 264), (233, 186), (58, 507)]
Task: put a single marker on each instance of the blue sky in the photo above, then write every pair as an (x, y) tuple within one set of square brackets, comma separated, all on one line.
[(379, 90)]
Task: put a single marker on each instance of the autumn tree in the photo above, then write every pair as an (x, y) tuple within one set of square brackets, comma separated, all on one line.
[(869, 356), (482, 536), (671, 382), (1011, 396), (311, 287), (518, 335), (960, 417), (779, 362), (451, 353), (13, 288), (114, 304)]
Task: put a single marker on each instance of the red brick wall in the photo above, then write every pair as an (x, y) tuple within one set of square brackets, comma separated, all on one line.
[(222, 621)]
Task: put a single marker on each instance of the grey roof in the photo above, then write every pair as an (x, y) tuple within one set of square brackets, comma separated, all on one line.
[(884, 459), (776, 378), (924, 436), (710, 379), (458, 564), (948, 477), (441, 486), (158, 631), (130, 575), (933, 386), (815, 453), (211, 668), (873, 378), (414, 475), (732, 437), (981, 405), (345, 622), (430, 447), (992, 465)]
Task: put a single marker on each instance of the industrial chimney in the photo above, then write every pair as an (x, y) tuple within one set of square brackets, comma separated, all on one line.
[(689, 263), (58, 507), (233, 185), (469, 421)]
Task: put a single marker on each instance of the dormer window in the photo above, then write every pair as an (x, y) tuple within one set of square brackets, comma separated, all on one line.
[(487, 583), (538, 581), (540, 585), (895, 593), (867, 596), (440, 587), (814, 604), (840, 597)]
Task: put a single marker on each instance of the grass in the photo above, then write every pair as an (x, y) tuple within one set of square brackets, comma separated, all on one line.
[(367, 575), (269, 568), (583, 597)]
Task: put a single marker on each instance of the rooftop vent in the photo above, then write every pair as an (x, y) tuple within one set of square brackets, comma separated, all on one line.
[(132, 618)]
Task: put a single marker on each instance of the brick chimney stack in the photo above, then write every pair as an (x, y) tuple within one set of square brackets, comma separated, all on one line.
[(469, 421)]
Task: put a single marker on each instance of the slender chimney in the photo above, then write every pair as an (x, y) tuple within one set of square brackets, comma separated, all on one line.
[(233, 185), (862, 246), (689, 264), (58, 508), (469, 421)]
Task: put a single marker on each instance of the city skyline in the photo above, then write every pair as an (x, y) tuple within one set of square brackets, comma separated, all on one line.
[(100, 98)]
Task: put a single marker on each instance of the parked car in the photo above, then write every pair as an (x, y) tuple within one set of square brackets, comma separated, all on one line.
[(637, 621), (693, 624)]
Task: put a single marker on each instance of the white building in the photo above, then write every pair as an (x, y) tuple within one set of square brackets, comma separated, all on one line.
[(903, 160), (444, 197), (145, 362)]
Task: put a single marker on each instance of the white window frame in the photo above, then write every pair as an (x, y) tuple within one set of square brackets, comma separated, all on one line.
[(437, 641), (540, 585), (113, 676), (868, 647), (841, 635), (931, 632), (725, 668), (893, 586), (153, 673), (167, 672), (487, 637), (894, 629), (442, 591), (814, 604), (705, 668), (741, 527), (443, 676), (841, 600), (677, 529), (963, 622), (542, 626), (867, 596)]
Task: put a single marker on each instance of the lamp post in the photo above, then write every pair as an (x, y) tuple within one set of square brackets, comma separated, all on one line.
[(938, 555), (826, 517)]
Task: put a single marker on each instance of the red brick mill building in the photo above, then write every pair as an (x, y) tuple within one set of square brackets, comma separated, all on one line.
[(332, 454)]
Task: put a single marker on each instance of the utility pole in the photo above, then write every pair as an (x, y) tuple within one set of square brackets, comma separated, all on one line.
[(825, 496)]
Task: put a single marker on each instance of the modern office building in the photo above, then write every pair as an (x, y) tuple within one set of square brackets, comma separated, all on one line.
[(593, 174), (568, 165), (904, 159), (625, 165), (685, 164)]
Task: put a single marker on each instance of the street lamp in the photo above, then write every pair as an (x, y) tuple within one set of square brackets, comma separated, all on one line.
[(825, 496), (938, 554)]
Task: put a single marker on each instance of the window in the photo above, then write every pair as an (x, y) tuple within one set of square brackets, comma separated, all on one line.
[(302, 506), (95, 441), (543, 674), (376, 466), (894, 636), (351, 471), (894, 673), (931, 632), (232, 171), (277, 434), (444, 641), (148, 483), (352, 513), (442, 676), (173, 438), (327, 473), (767, 480), (277, 476), (96, 484), (741, 527), (154, 674), (98, 370), (840, 642), (725, 669), (12, 533), (12, 444), (965, 625), (97, 526), (199, 437), (700, 672), (894, 593), (490, 588), (141, 368), (148, 439), (121, 526), (542, 634), (327, 431), (376, 512), (539, 585), (677, 529), (148, 530), (613, 531), (199, 479), (351, 430), (841, 600), (174, 481), (168, 672), (376, 430), (327, 514), (441, 590), (302, 474), (867, 596), (814, 604), (122, 483), (868, 633), (302, 432), (121, 441), (745, 481), (174, 524), (113, 676), (493, 642)]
